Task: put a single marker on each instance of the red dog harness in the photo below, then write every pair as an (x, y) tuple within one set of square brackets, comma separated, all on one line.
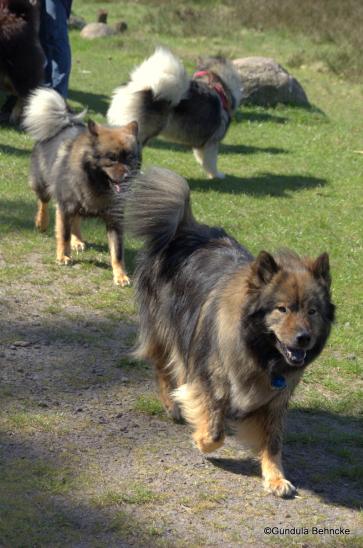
[(217, 86)]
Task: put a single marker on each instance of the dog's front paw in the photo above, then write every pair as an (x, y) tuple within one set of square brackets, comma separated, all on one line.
[(206, 444), (77, 244), (280, 487), (218, 175), (64, 260), (122, 279)]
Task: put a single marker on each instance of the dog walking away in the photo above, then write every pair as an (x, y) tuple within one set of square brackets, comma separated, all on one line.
[(21, 55), (85, 168), (195, 112), (229, 335)]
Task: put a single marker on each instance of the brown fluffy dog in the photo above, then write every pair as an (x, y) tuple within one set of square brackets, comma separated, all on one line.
[(21, 55), (85, 168), (229, 334)]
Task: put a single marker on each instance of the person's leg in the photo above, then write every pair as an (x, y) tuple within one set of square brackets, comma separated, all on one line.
[(7, 108), (55, 42)]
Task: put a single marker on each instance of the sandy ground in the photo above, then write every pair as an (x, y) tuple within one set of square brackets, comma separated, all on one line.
[(134, 478)]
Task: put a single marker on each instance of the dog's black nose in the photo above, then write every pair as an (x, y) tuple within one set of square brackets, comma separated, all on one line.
[(303, 338)]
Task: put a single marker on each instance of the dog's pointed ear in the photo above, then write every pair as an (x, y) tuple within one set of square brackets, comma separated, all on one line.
[(133, 127), (265, 267), (321, 269), (92, 128)]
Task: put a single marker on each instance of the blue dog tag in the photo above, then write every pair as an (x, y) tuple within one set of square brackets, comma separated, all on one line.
[(278, 382)]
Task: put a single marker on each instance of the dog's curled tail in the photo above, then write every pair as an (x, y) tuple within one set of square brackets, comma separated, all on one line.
[(157, 206), (160, 80), (164, 74), (46, 113)]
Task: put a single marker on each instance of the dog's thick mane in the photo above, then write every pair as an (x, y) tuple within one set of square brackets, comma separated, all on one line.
[(226, 72)]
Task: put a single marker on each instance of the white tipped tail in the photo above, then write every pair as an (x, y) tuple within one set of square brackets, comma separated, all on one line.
[(162, 73), (46, 113)]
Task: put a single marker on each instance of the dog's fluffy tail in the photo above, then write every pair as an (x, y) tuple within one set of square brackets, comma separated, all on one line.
[(159, 81), (157, 207), (46, 114)]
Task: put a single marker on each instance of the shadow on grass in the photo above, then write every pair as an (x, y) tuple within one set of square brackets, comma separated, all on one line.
[(37, 506), (7, 149), (323, 454), (258, 117), (265, 184), (16, 214), (160, 144), (97, 102)]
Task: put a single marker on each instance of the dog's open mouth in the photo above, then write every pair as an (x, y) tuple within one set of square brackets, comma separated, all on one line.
[(293, 356), (117, 183)]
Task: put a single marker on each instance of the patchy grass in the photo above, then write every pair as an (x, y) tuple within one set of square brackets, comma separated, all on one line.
[(130, 494), (28, 422), (29, 516), (149, 405)]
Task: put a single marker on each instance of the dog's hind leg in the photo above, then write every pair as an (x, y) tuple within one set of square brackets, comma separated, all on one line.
[(63, 225), (42, 216), (204, 413), (207, 158), (77, 242), (40, 188), (166, 387), (166, 372), (115, 242)]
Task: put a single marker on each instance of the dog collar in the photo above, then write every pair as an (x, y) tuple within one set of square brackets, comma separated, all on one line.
[(217, 86), (278, 382)]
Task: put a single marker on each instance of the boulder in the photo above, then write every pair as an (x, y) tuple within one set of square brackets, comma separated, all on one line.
[(97, 30), (266, 83), (75, 22)]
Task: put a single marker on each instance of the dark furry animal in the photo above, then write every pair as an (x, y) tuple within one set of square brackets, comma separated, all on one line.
[(21, 55), (194, 111), (85, 168), (229, 335)]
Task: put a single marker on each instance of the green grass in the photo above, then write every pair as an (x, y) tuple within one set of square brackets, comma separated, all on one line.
[(132, 494), (293, 179), (149, 405), (27, 516)]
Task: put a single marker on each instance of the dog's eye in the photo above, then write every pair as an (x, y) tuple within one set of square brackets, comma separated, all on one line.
[(282, 309), (312, 311), (111, 157)]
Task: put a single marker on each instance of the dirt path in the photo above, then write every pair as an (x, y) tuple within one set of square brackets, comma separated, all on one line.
[(88, 458)]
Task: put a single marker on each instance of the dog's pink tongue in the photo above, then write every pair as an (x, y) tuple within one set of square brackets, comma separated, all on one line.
[(118, 187)]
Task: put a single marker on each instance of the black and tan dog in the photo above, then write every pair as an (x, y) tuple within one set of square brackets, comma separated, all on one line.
[(195, 112), (85, 168), (229, 334)]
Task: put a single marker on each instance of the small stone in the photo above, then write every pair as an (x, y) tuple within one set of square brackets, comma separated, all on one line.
[(22, 344)]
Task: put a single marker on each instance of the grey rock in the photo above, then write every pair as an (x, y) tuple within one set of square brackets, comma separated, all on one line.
[(266, 83), (75, 22), (22, 344)]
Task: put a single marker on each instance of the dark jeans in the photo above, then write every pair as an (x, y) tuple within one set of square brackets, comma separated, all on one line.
[(55, 43)]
